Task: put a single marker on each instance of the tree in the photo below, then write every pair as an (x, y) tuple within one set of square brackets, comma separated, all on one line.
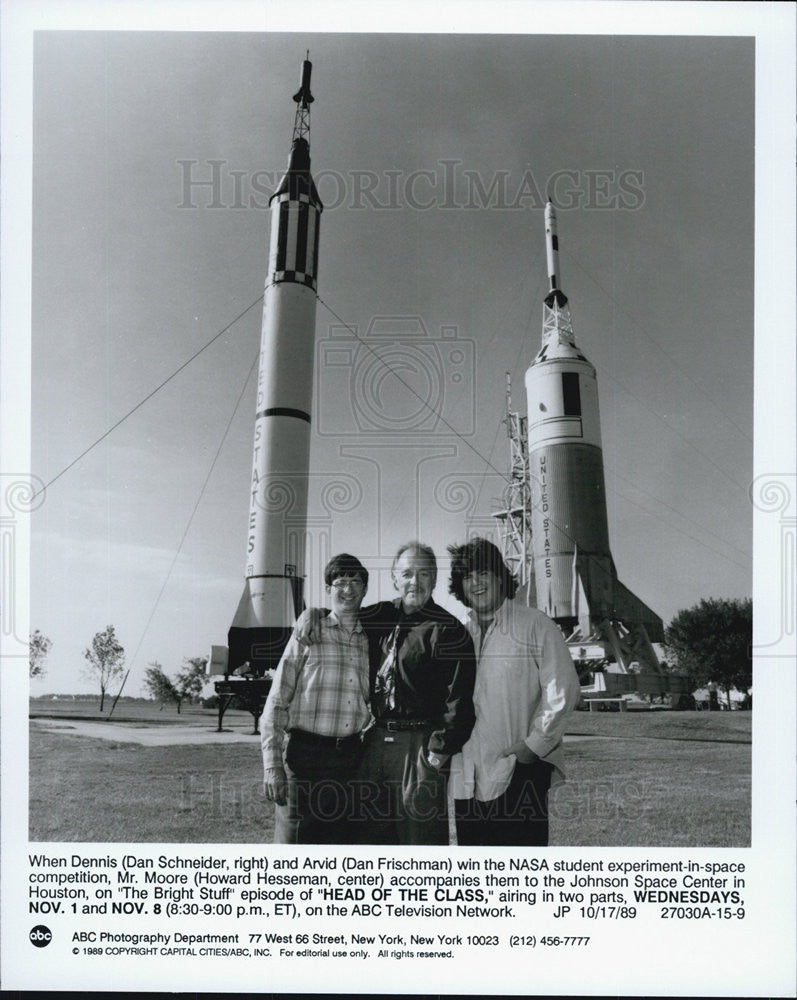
[(712, 642), (105, 657), (159, 685), (191, 679), (188, 684), (38, 648)]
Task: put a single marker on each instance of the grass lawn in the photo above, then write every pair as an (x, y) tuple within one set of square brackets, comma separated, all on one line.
[(667, 779), (731, 727), (653, 793), (86, 789)]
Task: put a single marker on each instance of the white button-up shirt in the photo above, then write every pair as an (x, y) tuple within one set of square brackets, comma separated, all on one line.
[(526, 687)]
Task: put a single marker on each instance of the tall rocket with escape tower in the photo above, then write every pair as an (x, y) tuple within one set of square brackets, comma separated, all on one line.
[(274, 575), (553, 517)]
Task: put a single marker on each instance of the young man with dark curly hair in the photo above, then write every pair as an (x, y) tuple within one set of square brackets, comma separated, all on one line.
[(526, 688)]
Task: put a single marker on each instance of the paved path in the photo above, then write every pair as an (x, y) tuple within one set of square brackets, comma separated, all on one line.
[(168, 736), (148, 736), (199, 735)]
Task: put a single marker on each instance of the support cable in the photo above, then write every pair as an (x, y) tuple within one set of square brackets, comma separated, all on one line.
[(488, 460), (149, 396), (188, 525)]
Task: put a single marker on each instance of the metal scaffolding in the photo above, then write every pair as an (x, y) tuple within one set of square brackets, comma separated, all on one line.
[(512, 510)]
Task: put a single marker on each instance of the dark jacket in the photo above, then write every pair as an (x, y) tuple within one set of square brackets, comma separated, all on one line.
[(436, 668)]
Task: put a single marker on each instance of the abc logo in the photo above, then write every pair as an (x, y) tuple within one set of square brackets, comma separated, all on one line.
[(40, 936)]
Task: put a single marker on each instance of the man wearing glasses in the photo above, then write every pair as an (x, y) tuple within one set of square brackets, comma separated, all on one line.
[(422, 675), (320, 699)]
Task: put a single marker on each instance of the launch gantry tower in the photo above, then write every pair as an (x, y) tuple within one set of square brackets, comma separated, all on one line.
[(512, 511)]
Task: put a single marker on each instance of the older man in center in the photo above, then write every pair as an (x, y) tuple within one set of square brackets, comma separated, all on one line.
[(422, 671)]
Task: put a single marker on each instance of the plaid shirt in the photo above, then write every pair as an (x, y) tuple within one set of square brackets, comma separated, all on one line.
[(322, 689)]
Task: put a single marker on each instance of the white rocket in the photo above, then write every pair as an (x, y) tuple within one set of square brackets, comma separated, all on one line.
[(575, 577), (278, 504)]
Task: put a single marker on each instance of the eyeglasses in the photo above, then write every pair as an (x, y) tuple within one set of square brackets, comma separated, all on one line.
[(354, 582)]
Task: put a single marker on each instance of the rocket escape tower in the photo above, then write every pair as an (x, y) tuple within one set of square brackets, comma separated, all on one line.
[(552, 518), (303, 98)]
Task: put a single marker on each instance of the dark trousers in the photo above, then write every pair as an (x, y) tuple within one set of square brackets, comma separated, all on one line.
[(518, 818), (400, 798), (320, 790)]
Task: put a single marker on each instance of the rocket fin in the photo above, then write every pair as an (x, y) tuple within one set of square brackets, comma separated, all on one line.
[(581, 609), (526, 593), (574, 590), (631, 609), (603, 596), (245, 614), (262, 624)]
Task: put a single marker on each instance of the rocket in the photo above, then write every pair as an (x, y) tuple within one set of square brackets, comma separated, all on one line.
[(277, 525), (574, 573)]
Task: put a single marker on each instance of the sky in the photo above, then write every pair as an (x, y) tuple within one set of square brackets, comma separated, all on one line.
[(432, 154)]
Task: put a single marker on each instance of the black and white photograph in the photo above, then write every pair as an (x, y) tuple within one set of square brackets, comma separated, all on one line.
[(404, 486), (477, 260)]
